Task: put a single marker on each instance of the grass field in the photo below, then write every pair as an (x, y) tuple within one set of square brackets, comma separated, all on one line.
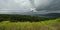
[(43, 25)]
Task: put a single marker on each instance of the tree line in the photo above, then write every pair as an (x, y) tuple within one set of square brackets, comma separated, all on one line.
[(21, 18)]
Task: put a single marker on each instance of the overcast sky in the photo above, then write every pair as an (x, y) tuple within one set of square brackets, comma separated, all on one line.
[(20, 6)]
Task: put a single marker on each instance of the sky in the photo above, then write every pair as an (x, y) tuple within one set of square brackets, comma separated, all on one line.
[(22, 6)]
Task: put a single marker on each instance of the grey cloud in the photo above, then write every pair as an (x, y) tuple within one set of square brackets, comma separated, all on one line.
[(12, 4), (54, 5), (22, 6)]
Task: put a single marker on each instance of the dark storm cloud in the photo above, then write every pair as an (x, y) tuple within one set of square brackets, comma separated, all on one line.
[(54, 5)]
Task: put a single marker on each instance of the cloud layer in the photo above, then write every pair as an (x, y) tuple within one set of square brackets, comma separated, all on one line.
[(20, 6)]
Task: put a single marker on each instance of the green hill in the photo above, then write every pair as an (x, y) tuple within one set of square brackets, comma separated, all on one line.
[(21, 18)]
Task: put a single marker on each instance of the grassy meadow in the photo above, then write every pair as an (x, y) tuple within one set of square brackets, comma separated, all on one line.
[(38, 24), (44, 25)]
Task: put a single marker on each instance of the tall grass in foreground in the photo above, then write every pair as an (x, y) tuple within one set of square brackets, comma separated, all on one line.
[(44, 25)]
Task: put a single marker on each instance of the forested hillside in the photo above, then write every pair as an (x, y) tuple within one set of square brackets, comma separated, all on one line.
[(21, 18)]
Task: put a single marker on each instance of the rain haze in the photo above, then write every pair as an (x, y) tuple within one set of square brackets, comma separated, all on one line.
[(26, 6)]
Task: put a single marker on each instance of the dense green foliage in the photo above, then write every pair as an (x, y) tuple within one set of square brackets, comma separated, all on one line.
[(21, 18)]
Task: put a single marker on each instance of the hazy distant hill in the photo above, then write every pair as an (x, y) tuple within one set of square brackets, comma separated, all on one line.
[(49, 15)]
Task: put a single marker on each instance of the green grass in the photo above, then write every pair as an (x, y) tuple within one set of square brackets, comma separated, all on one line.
[(43, 25)]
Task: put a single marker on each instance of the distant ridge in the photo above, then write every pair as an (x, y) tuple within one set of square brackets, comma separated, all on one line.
[(49, 15)]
